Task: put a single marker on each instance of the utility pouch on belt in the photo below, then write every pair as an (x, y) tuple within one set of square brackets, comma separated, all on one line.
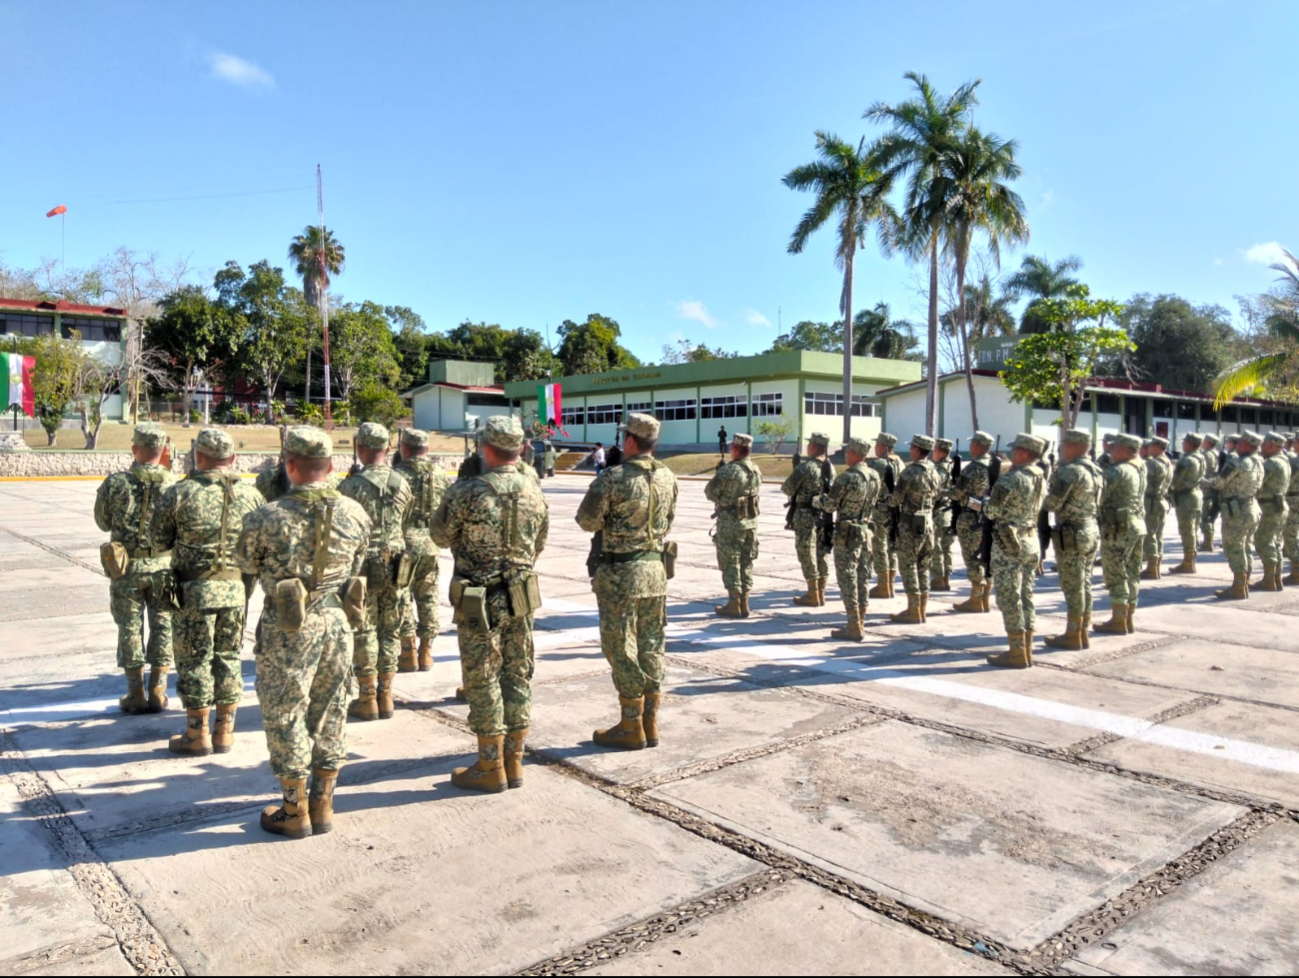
[(920, 522), (291, 605), (403, 569), (746, 507), (1231, 507), (378, 572), (525, 596), (1057, 540), (115, 559), (670, 559), (354, 601), (1009, 538), (473, 613)]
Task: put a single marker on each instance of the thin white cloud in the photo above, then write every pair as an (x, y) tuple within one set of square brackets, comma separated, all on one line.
[(695, 310), (755, 318), (1048, 198), (1267, 253), (235, 70)]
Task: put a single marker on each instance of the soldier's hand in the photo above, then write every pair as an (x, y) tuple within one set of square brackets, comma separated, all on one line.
[(818, 502)]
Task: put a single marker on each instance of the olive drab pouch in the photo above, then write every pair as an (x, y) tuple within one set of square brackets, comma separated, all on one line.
[(472, 612), (354, 602), (746, 507), (290, 605), (670, 559), (378, 573), (525, 596), (403, 569), (457, 591), (115, 560), (921, 523)]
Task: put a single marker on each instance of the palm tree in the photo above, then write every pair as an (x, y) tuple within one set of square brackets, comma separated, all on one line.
[(877, 334), (317, 257), (1041, 279), (921, 132), (850, 189), (1278, 369), (986, 313)]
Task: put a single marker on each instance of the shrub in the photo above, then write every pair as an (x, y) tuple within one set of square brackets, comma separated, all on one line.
[(311, 414), (375, 403)]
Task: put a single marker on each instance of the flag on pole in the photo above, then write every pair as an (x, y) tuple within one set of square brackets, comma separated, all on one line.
[(16, 383), (61, 209), (550, 407)]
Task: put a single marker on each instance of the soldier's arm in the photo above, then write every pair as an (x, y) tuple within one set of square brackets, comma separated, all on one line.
[(790, 486), (672, 504), (997, 501), (162, 528), (837, 489), (440, 529), (248, 553), (591, 514), (358, 558), (101, 506), (1057, 493), (543, 534)]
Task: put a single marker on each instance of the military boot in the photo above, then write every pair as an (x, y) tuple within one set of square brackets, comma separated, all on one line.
[(1028, 644), (650, 718), (1277, 579), (985, 597), (629, 734), (924, 606), (732, 608), (973, 603), (1071, 639), (195, 741), (1271, 580), (223, 728), (320, 804), (1016, 657), (366, 704), (134, 702), (1239, 590), (1293, 577), (912, 616), (820, 592), (425, 654), (1187, 566), (808, 600), (1151, 573), (488, 774), (1118, 623), (744, 604), (407, 661), (383, 696), (852, 632), (158, 689), (1129, 613), (1206, 545), (880, 590), (514, 743), (460, 695), (1087, 631), (291, 818)]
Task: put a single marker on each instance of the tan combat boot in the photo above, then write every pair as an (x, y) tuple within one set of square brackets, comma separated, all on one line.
[(809, 599), (820, 591), (320, 805), (1271, 580), (1206, 545), (488, 774), (880, 590), (650, 718), (366, 704), (134, 702), (383, 695), (1187, 566), (732, 608), (744, 604), (460, 695), (195, 741), (1071, 639), (1087, 631), (1118, 623), (158, 689), (985, 597), (924, 606), (407, 661), (629, 734), (514, 743), (1028, 644), (1151, 573), (1293, 577), (290, 818), (1129, 613), (223, 728), (425, 654), (852, 632), (1016, 657), (973, 603), (912, 615), (1239, 590)]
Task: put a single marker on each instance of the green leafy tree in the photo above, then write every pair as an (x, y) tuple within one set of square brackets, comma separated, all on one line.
[(517, 354), (877, 334), (852, 190), (592, 347), (1038, 279), (775, 431), (807, 335), (196, 336), (1181, 346), (685, 351), (377, 403), (1274, 369), (411, 338), (361, 347)]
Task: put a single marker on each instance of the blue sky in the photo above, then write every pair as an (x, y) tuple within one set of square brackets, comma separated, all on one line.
[(526, 163)]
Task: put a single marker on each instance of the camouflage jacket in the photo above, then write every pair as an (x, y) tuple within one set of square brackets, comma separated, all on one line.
[(1187, 475), (1074, 493), (804, 483), (1104, 461), (974, 482), (884, 470), (125, 504), (944, 471), (1294, 475), (854, 494), (495, 524), (1159, 473), (1240, 477), (729, 484), (634, 504), (1123, 507), (917, 489), (385, 496), (1210, 460), (1276, 478), (428, 484), (200, 519), (1016, 499)]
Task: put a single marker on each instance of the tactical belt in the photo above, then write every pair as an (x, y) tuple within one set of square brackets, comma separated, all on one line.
[(627, 558), (211, 574), (493, 585), (1277, 498), (147, 553)]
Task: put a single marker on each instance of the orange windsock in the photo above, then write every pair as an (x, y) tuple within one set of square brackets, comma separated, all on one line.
[(61, 209)]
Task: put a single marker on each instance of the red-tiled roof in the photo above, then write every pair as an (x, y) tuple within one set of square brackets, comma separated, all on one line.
[(42, 305)]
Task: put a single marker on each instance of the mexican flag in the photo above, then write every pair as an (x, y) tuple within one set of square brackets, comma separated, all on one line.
[(550, 403), (16, 383)]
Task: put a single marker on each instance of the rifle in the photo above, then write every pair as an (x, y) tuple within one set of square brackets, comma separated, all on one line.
[(593, 558), (191, 464), (891, 484), (357, 467), (824, 520), (984, 554), (282, 471), (955, 506)]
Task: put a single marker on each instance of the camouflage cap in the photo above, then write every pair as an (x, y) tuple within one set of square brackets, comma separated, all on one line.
[(861, 446), (503, 431), (214, 443), (643, 426), (1233, 437), (1276, 438), (1251, 438), (886, 438), (308, 442), (1159, 442), (1108, 438), (1193, 438), (1077, 436), (944, 444), (414, 438), (1130, 442), (819, 438), (1029, 443), (373, 435), (923, 442), (983, 438), (149, 435), (1209, 438), (743, 440)]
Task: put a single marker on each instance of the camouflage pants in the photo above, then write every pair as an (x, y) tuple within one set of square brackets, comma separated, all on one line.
[(941, 566), (810, 556), (884, 558), (1237, 532), (129, 599), (915, 550), (1121, 566), (852, 560), (970, 534), (737, 549), (1074, 565), (632, 637), (1206, 506), (1188, 523), (497, 667), (1014, 572), (207, 656), (419, 602), (378, 644), (1156, 518), (303, 686), (1271, 526), (1291, 533)]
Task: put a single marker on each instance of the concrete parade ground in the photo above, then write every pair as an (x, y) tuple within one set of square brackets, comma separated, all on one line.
[(815, 807)]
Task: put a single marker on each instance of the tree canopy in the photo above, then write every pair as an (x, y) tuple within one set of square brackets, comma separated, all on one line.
[(1178, 345), (592, 347)]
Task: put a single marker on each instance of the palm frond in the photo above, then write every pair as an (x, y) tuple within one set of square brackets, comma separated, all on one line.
[(1248, 375)]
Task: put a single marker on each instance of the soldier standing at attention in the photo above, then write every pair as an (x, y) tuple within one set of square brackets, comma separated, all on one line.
[(1074, 494), (1159, 475), (973, 485), (805, 483), (734, 490), (1212, 463), (199, 520), (385, 496), (495, 524), (139, 571), (1273, 511), (940, 578), (306, 549), (1013, 506), (1292, 520), (1123, 530), (1187, 498), (916, 493), (427, 483), (853, 497), (888, 465), (1107, 442), (1237, 484), (633, 506)]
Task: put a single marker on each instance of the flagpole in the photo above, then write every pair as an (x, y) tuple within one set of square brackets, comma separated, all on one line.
[(324, 295), (11, 373), (63, 234)]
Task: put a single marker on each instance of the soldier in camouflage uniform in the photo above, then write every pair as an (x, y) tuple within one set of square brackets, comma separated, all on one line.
[(495, 525), (1238, 483), (386, 498), (428, 483), (1073, 494), (1159, 475), (973, 486), (199, 520), (1107, 442), (1273, 511), (852, 497), (940, 568), (888, 466), (1292, 520), (1187, 499), (306, 550), (805, 483), (633, 506), (734, 490), (1013, 506), (1209, 455), (139, 570), (916, 493), (1123, 530)]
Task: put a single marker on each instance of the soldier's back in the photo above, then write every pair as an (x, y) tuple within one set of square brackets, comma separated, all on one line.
[(385, 495)]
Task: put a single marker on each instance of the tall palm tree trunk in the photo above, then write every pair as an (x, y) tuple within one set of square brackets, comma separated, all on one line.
[(931, 383), (847, 349), (965, 342)]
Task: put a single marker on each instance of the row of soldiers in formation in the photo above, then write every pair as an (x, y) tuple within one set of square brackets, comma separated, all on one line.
[(890, 516), (348, 569)]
